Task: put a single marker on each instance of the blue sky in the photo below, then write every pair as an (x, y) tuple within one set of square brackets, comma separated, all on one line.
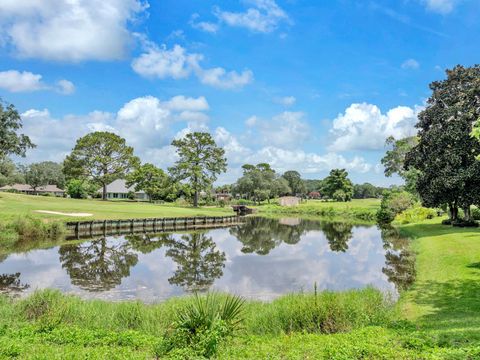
[(304, 85)]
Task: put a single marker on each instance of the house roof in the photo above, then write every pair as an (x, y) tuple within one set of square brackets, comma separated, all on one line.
[(120, 186), (25, 187)]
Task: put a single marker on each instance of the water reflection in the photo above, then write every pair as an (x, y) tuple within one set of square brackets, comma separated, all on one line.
[(97, 265), (399, 259), (10, 284), (262, 259)]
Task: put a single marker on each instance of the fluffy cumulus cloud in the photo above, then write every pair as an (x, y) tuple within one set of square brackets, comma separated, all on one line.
[(68, 30), (440, 6), (410, 64), (364, 127), (263, 16), (203, 25), (147, 123), (177, 63), (25, 81)]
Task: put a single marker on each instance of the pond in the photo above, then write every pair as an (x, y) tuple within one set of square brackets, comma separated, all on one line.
[(260, 259)]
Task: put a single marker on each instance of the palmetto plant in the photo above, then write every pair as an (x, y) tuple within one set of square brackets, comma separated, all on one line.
[(205, 311)]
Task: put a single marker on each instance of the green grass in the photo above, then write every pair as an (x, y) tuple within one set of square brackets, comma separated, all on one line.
[(357, 209), (14, 205)]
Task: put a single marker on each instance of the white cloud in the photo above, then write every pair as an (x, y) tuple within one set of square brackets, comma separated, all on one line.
[(177, 63), (203, 25), (440, 6), (263, 17), (25, 81), (163, 63), (287, 129), (410, 64), (286, 101), (69, 30), (251, 121), (147, 124), (364, 127), (15, 81), (65, 87)]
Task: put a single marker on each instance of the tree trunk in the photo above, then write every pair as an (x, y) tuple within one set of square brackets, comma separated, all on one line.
[(453, 211), (104, 192), (195, 199), (467, 213)]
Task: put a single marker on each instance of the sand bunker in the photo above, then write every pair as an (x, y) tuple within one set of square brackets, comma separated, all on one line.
[(62, 213)]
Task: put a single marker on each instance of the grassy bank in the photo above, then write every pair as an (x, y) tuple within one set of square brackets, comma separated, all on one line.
[(357, 209), (52, 324), (14, 205)]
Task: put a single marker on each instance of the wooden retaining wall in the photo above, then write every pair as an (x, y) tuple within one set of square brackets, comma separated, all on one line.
[(85, 229)]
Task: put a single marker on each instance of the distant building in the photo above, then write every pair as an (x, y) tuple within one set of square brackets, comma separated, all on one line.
[(223, 196), (27, 189), (119, 190), (289, 201), (314, 195)]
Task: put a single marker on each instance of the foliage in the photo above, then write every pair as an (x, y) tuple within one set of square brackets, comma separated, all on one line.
[(44, 173), (367, 191), (154, 181), (415, 214), (446, 153), (394, 161), (295, 182), (31, 228), (203, 323), (338, 180), (80, 189), (259, 183), (9, 173), (12, 143), (200, 161), (393, 203), (101, 157)]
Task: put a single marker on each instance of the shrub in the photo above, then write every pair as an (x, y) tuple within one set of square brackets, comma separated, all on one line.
[(415, 214), (393, 203), (201, 325), (340, 195), (475, 212)]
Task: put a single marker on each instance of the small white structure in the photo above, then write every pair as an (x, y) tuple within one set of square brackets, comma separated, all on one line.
[(119, 190), (27, 189), (289, 201)]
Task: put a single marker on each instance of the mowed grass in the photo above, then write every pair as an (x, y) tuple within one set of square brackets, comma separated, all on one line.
[(445, 298), (14, 205)]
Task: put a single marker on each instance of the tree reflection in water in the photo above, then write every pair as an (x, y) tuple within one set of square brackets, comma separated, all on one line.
[(261, 235), (97, 265), (399, 259), (338, 235), (10, 284), (199, 263)]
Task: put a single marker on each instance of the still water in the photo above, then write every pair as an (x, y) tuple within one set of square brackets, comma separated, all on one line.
[(261, 259)]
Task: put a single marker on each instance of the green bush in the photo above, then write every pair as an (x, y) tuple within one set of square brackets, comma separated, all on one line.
[(475, 212), (393, 203), (415, 214)]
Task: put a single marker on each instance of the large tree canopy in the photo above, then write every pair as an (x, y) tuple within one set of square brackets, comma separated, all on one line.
[(9, 173), (12, 143), (445, 154), (394, 161), (338, 186), (101, 157), (44, 173), (295, 182), (200, 161), (154, 181)]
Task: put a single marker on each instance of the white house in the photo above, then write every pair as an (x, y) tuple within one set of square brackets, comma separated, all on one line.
[(119, 190)]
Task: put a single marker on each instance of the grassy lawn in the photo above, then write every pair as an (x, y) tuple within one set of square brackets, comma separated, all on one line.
[(445, 298), (14, 205)]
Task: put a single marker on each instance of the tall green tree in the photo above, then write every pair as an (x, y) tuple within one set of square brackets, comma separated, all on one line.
[(101, 157), (44, 173), (337, 185), (394, 161), (446, 153), (200, 162), (12, 143), (9, 173), (154, 181), (297, 185)]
